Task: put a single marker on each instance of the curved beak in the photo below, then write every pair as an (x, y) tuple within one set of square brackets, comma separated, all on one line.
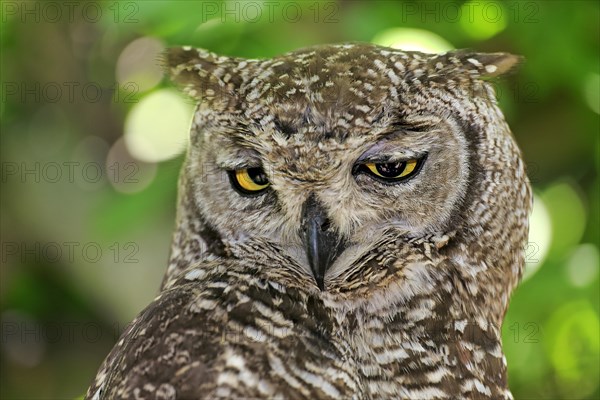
[(321, 242)]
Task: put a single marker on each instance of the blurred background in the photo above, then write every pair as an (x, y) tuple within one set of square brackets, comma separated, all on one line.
[(92, 139)]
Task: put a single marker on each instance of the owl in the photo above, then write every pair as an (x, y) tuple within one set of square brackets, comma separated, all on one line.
[(350, 225)]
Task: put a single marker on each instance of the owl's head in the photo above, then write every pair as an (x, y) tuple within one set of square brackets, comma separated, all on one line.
[(336, 154)]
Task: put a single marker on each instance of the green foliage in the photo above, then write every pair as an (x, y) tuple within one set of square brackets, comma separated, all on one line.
[(63, 305)]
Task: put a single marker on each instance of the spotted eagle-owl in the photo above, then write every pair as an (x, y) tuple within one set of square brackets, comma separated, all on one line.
[(351, 223)]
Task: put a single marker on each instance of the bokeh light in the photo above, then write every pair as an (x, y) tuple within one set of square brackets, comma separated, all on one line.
[(567, 215), (582, 267), (125, 173), (157, 128), (139, 63), (411, 39), (483, 19), (574, 346), (540, 234)]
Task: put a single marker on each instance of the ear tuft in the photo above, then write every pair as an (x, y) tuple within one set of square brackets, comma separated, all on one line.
[(199, 73), (491, 65)]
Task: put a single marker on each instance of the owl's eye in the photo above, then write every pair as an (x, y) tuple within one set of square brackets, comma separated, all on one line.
[(393, 171), (249, 180)]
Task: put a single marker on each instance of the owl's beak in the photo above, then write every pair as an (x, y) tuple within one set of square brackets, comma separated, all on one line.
[(321, 241)]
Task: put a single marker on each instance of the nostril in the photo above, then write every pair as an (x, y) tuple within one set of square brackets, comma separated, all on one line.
[(325, 225)]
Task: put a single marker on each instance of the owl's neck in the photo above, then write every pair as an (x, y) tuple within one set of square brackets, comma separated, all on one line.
[(427, 328)]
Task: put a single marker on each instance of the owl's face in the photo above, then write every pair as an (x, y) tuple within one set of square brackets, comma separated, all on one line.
[(406, 176), (323, 152)]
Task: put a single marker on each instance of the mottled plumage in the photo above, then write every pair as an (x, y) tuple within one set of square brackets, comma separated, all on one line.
[(419, 275)]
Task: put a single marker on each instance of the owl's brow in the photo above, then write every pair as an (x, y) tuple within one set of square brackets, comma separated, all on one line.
[(243, 158), (387, 145), (235, 151), (399, 129), (400, 126)]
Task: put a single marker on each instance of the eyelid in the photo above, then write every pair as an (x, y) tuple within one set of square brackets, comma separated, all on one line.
[(393, 148), (233, 159), (239, 164), (391, 158)]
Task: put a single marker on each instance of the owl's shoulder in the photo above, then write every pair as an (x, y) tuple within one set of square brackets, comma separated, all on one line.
[(169, 345), (199, 335)]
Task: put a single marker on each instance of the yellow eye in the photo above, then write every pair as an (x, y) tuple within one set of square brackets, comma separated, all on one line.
[(394, 171), (249, 180)]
